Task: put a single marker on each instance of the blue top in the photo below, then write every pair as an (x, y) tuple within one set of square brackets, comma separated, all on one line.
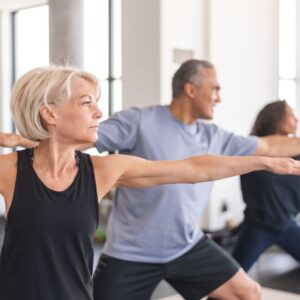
[(161, 223), (272, 200)]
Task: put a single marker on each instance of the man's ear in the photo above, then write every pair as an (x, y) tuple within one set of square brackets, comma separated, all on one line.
[(47, 115), (189, 90)]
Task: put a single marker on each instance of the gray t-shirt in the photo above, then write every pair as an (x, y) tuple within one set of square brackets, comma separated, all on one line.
[(161, 223)]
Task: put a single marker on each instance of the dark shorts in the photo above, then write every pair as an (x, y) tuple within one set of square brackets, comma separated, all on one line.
[(194, 275)]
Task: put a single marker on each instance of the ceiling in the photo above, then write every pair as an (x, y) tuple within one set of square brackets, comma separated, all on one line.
[(15, 4)]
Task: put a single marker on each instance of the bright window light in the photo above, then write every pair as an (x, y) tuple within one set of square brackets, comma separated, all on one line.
[(31, 41), (102, 50), (96, 37), (287, 91), (117, 39), (287, 51)]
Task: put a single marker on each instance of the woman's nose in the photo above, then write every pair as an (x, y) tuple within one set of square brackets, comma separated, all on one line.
[(98, 113)]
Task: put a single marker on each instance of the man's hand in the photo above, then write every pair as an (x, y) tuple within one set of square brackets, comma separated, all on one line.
[(15, 140)]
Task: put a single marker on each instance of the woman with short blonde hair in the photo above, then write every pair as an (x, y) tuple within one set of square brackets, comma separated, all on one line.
[(40, 87)]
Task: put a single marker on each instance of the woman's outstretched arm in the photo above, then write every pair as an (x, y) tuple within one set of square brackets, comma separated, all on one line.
[(202, 168), (125, 170)]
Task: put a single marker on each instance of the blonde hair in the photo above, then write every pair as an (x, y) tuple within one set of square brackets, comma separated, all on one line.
[(40, 86)]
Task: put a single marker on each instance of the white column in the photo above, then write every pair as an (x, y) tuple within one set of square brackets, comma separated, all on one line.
[(141, 52), (66, 32)]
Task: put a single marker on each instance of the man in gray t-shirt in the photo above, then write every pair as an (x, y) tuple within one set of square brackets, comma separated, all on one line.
[(153, 233)]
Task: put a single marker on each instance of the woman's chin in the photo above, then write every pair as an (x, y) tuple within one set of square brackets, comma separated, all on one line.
[(90, 139), (93, 138)]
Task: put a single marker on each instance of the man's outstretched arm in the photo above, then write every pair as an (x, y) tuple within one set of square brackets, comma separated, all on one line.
[(14, 140), (278, 146)]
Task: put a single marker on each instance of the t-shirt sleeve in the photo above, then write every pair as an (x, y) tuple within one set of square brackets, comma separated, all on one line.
[(120, 131), (232, 144)]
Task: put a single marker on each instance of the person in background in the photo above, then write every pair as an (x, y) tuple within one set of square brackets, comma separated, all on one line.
[(153, 234), (272, 201), (51, 191)]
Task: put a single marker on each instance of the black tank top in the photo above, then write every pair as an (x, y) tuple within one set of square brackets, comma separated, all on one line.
[(47, 252)]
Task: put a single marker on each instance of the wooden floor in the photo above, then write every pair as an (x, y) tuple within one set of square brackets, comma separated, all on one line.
[(267, 294), (276, 271)]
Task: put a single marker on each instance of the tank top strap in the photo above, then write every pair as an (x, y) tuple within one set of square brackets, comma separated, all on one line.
[(85, 161), (25, 158)]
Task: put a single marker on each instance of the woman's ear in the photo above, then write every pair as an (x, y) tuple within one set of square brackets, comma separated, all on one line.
[(47, 115)]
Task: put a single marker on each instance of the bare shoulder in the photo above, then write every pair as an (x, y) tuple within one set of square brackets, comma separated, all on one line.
[(115, 162), (111, 163), (106, 173), (8, 167), (8, 171), (108, 170), (100, 162), (8, 162)]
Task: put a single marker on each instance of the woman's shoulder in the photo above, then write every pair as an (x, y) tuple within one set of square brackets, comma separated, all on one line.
[(8, 165), (8, 170), (107, 160), (8, 161), (107, 170), (111, 167)]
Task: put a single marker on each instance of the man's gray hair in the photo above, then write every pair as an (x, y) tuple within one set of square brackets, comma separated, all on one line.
[(190, 71)]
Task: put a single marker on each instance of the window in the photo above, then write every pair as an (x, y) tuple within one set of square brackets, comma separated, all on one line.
[(102, 50), (26, 36), (102, 45), (287, 51), (31, 42)]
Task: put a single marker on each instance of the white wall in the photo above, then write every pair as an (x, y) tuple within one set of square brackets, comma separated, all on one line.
[(151, 30), (244, 48), (141, 52), (184, 26)]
